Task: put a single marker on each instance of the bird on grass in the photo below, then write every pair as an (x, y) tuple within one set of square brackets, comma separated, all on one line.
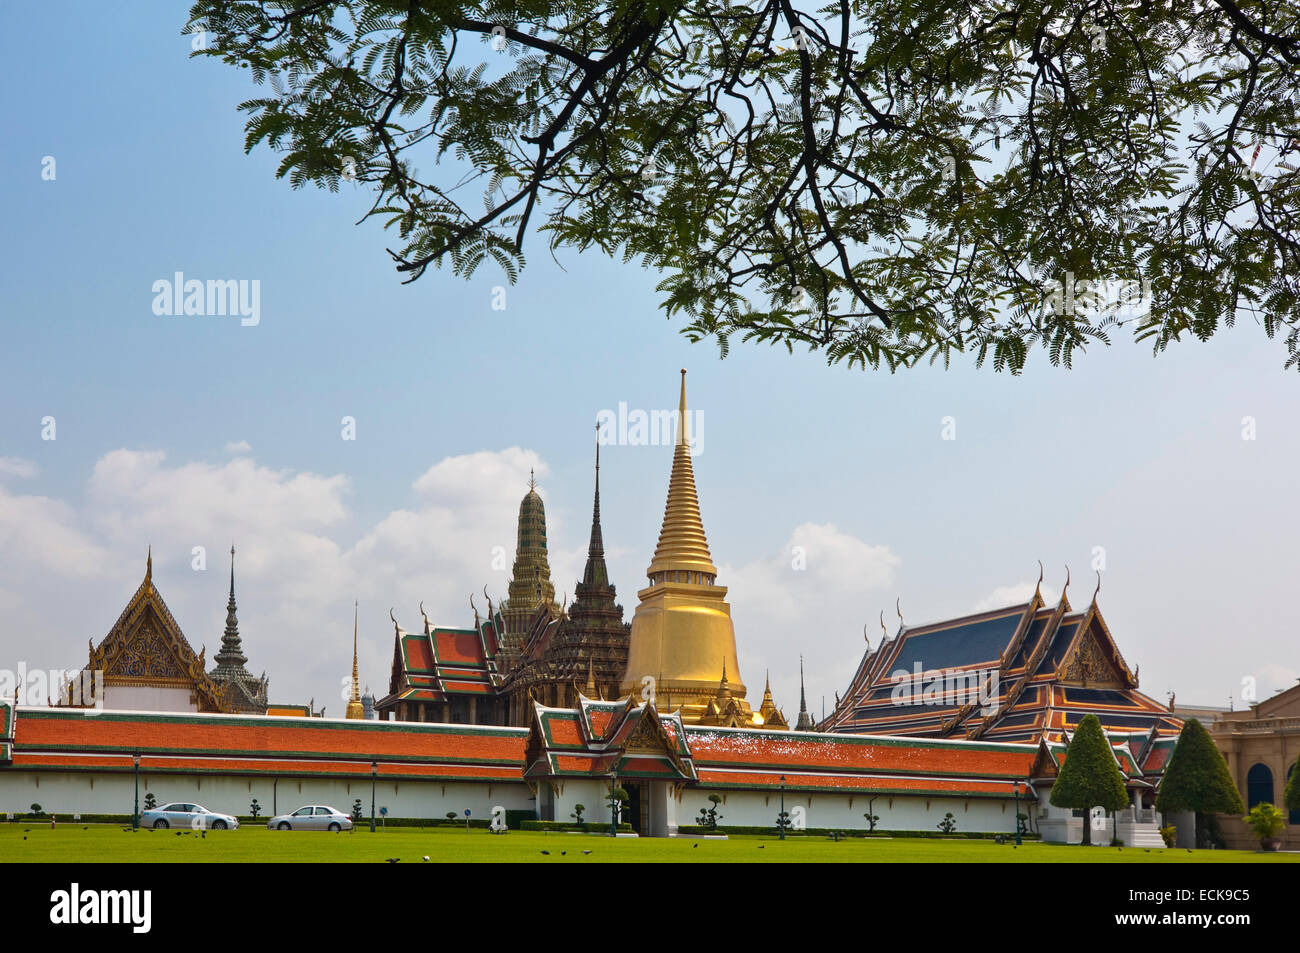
[(426, 858), (563, 852), (586, 852), (761, 846), (695, 845), (393, 860), (547, 853)]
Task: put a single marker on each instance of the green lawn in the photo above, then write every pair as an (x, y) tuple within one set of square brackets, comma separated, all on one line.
[(33, 842)]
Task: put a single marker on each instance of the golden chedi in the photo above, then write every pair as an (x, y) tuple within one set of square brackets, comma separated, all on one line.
[(683, 642), (355, 710)]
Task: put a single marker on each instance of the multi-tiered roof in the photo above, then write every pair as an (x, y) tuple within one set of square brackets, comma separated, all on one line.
[(1027, 672)]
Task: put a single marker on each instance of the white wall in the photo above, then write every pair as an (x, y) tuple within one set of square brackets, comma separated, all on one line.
[(68, 793), (754, 809), (147, 698)]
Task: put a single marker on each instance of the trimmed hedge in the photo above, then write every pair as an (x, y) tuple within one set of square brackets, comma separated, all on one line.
[(514, 823), (592, 828), (67, 818), (694, 831)]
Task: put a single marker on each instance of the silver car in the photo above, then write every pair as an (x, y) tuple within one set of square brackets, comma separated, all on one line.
[(192, 816), (313, 817)]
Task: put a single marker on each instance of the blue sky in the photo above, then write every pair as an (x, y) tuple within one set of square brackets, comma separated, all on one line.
[(1141, 456)]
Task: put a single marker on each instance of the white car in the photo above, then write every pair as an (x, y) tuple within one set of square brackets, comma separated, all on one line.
[(192, 816), (313, 817)]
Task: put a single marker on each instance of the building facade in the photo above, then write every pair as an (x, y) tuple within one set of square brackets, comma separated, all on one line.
[(1261, 745)]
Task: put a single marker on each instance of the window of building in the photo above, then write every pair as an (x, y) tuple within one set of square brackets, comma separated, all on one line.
[(1259, 786)]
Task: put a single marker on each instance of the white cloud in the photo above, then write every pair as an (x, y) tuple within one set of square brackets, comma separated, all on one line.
[(781, 611), (17, 466), (239, 447), (1020, 592), (69, 570)]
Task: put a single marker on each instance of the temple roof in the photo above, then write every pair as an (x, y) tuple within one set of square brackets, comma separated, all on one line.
[(146, 646), (634, 741), (1021, 673), (439, 662), (809, 761), (196, 744)]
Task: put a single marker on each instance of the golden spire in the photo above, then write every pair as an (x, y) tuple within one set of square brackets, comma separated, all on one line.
[(148, 569), (355, 709), (682, 544)]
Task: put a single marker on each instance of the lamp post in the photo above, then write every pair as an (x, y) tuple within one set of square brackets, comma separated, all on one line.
[(613, 804), (1017, 812), (135, 816), (783, 807), (374, 773)]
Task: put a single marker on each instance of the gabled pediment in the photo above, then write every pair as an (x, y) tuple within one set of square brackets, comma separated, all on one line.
[(146, 646), (1093, 660)]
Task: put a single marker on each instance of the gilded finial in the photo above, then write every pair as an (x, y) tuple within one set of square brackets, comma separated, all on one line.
[(898, 607), (1040, 573), (356, 688), (148, 566), (489, 602), (884, 633), (1098, 589), (396, 627), (683, 430), (866, 638), (532, 480), (1067, 578)]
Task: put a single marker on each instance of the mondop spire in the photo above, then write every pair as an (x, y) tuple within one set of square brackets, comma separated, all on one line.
[(682, 635), (590, 647), (243, 692), (596, 575), (231, 657)]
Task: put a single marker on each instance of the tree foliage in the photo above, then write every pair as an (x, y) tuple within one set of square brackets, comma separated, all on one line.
[(1090, 776), (1196, 777), (1291, 794), (884, 181)]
